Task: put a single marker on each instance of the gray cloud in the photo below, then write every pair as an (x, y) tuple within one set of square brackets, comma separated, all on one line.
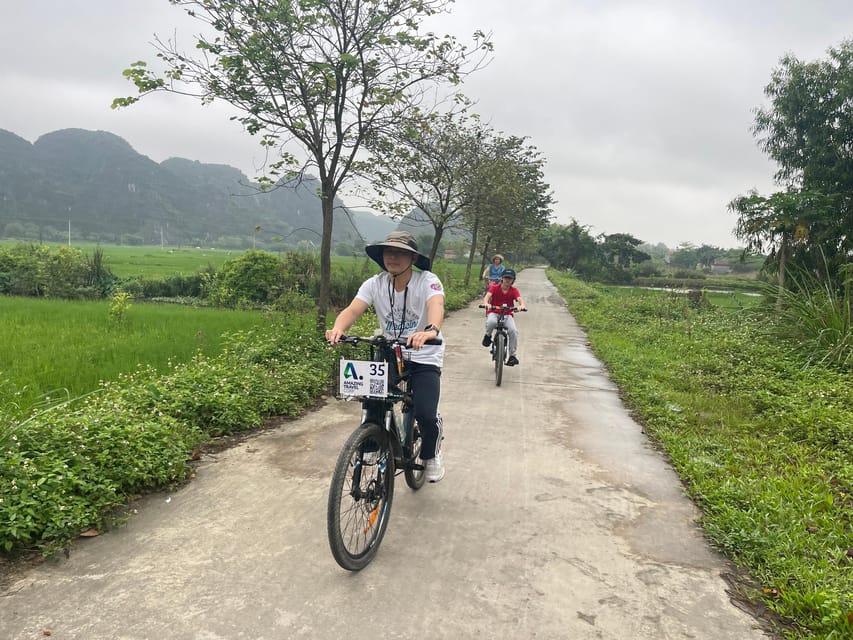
[(642, 109)]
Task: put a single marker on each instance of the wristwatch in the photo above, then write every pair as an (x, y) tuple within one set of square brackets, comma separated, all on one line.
[(432, 327)]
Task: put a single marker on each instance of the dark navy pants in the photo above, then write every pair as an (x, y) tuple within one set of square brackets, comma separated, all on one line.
[(425, 385)]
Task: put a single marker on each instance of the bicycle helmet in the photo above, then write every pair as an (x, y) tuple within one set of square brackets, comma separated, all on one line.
[(508, 273)]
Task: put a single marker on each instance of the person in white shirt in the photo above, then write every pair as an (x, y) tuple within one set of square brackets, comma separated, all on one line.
[(409, 304)]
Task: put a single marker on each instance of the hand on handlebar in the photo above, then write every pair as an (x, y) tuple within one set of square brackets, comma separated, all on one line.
[(420, 338), (333, 336)]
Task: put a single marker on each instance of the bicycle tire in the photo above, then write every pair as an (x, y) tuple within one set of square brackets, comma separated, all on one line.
[(500, 351), (414, 478), (360, 498)]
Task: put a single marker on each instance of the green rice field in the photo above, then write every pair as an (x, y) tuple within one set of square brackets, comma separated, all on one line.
[(152, 262), (62, 349)]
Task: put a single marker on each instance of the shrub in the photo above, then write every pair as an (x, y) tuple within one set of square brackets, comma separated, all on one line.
[(61, 272), (254, 278), (62, 471)]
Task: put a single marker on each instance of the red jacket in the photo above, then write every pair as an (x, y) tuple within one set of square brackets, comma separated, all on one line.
[(500, 298)]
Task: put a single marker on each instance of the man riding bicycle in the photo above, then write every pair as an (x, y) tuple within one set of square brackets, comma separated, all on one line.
[(408, 304), (498, 295)]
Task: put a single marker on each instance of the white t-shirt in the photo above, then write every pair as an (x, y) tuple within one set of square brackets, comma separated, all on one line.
[(379, 292)]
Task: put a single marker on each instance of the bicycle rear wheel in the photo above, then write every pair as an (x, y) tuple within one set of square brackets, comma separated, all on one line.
[(412, 451), (500, 353), (360, 497)]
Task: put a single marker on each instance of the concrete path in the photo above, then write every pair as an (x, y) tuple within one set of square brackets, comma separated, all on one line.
[(556, 519)]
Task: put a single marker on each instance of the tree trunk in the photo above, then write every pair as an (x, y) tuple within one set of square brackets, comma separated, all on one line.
[(472, 251), (328, 203), (439, 232), (485, 258)]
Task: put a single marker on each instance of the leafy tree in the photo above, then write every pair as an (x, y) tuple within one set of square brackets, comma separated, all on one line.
[(461, 175), (325, 75), (780, 226), (571, 247), (509, 201), (619, 253), (620, 249), (256, 277), (423, 163), (688, 256), (806, 129), (40, 271)]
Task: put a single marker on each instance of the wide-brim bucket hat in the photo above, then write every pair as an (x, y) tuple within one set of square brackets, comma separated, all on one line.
[(398, 240)]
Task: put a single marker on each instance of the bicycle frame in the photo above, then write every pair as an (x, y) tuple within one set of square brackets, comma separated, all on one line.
[(502, 314), (381, 410), (501, 331)]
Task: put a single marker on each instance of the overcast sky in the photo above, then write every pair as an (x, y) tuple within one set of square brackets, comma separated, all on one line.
[(642, 109)]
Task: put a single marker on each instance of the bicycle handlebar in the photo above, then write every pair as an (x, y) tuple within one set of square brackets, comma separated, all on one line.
[(377, 340), (497, 308)]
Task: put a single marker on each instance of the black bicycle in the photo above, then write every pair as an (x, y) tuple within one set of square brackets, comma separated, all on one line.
[(500, 337), (387, 442)]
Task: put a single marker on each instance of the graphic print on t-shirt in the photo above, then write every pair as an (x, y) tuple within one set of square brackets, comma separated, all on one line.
[(394, 322)]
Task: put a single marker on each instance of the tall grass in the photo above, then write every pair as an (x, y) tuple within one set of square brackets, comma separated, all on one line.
[(55, 349), (817, 317)]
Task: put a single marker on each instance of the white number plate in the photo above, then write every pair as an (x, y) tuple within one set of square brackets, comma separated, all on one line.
[(364, 378)]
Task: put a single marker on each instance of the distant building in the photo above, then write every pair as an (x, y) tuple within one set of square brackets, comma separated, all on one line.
[(720, 267)]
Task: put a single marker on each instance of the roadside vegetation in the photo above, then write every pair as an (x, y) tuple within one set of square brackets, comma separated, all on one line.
[(68, 467), (101, 401), (762, 437)]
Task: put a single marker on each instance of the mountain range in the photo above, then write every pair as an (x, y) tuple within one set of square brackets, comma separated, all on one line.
[(95, 184)]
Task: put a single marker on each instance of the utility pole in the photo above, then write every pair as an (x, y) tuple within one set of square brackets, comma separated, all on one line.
[(69, 232)]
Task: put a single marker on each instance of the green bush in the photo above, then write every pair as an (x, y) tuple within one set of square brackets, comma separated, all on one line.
[(254, 278), (66, 468), (58, 272)]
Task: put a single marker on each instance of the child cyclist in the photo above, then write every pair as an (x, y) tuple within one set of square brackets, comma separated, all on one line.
[(498, 295)]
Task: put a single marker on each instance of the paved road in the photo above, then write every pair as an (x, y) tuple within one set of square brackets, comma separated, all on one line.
[(556, 519)]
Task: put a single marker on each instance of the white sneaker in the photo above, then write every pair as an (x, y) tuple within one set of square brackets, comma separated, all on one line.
[(434, 469), (370, 457)]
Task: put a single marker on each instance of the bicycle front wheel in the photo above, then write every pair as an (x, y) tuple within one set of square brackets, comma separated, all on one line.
[(360, 497), (412, 451), (500, 356)]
